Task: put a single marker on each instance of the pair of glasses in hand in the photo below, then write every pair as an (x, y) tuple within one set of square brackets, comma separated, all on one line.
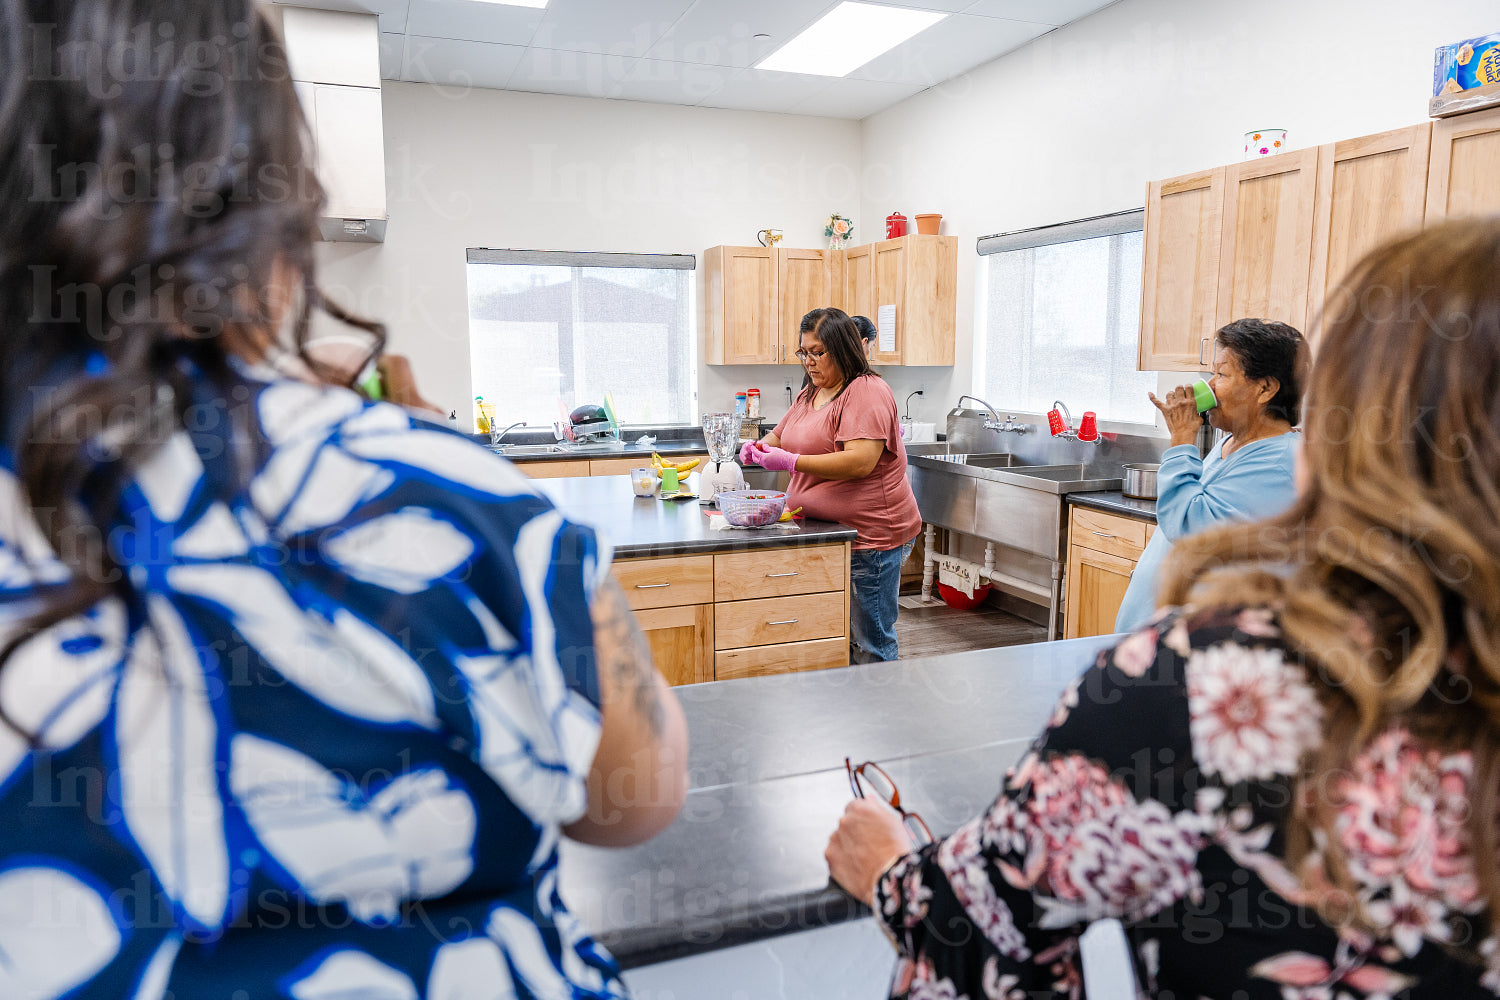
[(869, 780)]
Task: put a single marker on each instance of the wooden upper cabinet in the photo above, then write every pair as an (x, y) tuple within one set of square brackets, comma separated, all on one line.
[(859, 281), (803, 276), (925, 335), (1180, 280), (890, 289), (1370, 190), (1464, 179), (740, 319), (1264, 263)]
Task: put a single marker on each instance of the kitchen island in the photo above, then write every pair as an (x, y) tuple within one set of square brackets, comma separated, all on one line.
[(719, 604), (744, 860)]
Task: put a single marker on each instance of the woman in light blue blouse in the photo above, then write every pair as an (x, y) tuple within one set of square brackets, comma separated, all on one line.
[(1259, 369), (298, 693)]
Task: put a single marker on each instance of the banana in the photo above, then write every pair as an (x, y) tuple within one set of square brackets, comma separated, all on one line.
[(655, 461), (686, 466), (787, 515)]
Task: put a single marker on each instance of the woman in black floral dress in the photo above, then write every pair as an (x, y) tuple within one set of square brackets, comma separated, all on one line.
[(1289, 788)]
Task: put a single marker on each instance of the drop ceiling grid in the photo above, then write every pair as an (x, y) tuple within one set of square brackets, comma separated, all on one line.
[(691, 52)]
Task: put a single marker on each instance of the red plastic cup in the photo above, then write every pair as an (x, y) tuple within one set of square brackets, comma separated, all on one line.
[(1088, 427), (1055, 422)]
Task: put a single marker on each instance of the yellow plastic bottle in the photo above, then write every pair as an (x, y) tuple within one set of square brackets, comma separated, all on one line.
[(483, 415)]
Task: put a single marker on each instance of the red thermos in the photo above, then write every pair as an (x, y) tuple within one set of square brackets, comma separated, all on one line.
[(895, 225)]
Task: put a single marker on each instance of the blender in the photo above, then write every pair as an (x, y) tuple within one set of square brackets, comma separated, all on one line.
[(721, 432)]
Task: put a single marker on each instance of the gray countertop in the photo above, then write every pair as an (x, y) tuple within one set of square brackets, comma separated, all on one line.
[(744, 860), (641, 526), (1116, 503)]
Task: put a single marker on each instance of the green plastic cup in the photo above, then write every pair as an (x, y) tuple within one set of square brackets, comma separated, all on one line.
[(1203, 396), (669, 483)]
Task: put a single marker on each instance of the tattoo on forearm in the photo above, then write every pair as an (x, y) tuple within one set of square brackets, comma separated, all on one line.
[(622, 649)]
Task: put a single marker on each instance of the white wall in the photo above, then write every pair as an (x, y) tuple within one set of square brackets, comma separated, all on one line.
[(485, 168), (1077, 122)]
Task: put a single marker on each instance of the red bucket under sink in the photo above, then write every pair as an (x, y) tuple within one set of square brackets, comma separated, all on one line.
[(956, 599)]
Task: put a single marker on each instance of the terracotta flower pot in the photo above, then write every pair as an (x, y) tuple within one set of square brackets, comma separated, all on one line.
[(928, 225)]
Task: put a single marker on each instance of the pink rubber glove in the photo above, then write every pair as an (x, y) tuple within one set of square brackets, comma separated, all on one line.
[(774, 459), (746, 450)]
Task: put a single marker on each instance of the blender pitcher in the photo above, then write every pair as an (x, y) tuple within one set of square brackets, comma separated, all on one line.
[(721, 432)]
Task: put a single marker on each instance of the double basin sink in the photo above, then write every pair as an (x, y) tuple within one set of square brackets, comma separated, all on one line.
[(1000, 497)]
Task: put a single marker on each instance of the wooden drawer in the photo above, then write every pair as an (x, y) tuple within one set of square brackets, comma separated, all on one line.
[(1120, 536), (565, 469), (622, 466), (739, 576), (667, 582), (782, 658), (779, 620)]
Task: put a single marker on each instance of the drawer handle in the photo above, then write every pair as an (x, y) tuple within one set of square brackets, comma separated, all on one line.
[(789, 621), (1202, 343), (651, 586), (773, 576), (1103, 535)]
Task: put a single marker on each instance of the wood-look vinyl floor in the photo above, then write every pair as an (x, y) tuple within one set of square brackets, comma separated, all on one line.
[(934, 629)]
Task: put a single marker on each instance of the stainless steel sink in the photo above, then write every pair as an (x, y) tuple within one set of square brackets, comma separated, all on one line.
[(523, 450)]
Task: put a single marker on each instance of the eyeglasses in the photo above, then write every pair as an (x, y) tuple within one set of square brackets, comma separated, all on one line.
[(868, 779), (806, 356)]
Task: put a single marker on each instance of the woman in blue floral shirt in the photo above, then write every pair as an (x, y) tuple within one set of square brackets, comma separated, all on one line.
[(298, 693), (1289, 789)]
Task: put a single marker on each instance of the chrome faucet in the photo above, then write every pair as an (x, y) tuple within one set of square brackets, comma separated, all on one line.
[(495, 438), (1068, 433), (994, 423)]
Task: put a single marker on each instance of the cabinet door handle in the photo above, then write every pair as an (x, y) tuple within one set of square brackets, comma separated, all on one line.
[(651, 586), (774, 576), (789, 621), (1103, 535)]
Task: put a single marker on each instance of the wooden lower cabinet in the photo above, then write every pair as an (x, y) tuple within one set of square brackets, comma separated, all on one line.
[(1102, 552), (742, 614), (681, 640), (567, 469), (579, 467)]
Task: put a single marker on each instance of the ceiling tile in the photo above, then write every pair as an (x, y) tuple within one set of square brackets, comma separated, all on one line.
[(392, 53), (664, 82), (392, 12), (764, 90), (578, 74), (950, 47), (454, 63), (616, 27), (722, 32), (850, 98), (473, 21), (949, 6), (1053, 12)]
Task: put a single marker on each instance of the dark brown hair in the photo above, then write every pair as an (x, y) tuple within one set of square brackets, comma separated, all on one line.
[(157, 214), (1387, 567), (842, 341)]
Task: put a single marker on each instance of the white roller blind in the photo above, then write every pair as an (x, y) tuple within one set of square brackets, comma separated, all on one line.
[(1062, 321)]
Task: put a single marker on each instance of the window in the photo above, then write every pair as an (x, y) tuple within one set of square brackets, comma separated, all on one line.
[(551, 330), (1060, 319)]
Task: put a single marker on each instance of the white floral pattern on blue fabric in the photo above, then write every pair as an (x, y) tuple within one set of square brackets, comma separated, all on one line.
[(279, 650), (349, 974), (413, 839), (56, 932)]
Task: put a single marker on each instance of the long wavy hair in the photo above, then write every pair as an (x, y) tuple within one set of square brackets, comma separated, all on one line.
[(1387, 566), (157, 213)]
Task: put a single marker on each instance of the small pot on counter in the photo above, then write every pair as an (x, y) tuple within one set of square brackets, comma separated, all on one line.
[(1140, 480)]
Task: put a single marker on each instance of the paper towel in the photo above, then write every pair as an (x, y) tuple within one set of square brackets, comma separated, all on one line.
[(920, 433)]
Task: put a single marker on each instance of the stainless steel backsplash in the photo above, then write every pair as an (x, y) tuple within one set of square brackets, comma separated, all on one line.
[(967, 433)]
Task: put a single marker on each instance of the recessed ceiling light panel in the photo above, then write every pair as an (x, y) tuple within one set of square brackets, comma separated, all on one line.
[(847, 37), (516, 3)]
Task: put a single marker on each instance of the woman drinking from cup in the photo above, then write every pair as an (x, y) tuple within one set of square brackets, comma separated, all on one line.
[(841, 441), (1256, 399)]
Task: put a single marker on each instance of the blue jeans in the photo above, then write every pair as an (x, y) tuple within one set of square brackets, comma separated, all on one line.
[(875, 581)]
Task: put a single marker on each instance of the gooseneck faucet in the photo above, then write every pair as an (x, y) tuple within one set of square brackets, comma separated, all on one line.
[(994, 423), (495, 438)]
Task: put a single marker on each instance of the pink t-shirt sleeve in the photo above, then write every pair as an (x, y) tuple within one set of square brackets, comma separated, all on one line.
[(868, 412)]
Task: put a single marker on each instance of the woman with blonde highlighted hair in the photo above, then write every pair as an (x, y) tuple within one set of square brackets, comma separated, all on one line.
[(1285, 787)]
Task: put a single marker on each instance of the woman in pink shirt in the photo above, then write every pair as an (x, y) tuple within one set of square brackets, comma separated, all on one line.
[(841, 442)]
